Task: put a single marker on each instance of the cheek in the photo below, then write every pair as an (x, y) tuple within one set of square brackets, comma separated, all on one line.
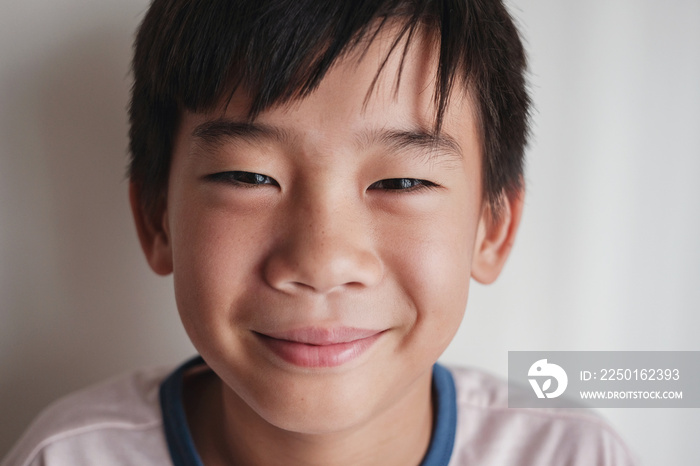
[(214, 259), (432, 262)]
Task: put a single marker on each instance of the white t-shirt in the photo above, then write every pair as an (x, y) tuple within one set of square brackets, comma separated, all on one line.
[(140, 420)]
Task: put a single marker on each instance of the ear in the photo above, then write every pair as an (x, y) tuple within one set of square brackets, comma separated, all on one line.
[(154, 234), (495, 238)]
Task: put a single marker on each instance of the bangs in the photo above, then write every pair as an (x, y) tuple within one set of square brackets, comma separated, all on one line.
[(280, 51)]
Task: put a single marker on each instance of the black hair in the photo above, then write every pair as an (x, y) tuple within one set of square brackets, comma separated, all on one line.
[(193, 54)]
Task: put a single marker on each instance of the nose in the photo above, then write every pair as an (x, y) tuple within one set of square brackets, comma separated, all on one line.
[(325, 246)]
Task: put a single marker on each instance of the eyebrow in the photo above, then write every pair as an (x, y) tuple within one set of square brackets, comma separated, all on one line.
[(216, 132), (426, 144)]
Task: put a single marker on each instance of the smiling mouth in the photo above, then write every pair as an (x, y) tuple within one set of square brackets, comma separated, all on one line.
[(317, 347)]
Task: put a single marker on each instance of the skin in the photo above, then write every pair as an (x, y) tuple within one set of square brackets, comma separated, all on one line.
[(322, 241)]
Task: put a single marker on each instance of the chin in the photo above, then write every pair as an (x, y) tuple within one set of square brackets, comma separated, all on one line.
[(315, 417), (313, 405)]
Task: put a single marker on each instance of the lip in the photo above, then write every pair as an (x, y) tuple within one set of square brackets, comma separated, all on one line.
[(319, 347)]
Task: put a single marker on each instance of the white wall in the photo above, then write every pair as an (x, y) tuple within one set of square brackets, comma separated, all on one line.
[(607, 258), (77, 301)]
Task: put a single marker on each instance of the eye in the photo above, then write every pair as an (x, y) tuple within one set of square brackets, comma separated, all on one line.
[(402, 184), (241, 178)]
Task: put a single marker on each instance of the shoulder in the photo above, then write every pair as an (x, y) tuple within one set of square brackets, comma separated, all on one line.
[(489, 432), (115, 422)]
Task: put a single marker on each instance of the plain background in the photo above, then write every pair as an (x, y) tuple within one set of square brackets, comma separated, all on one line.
[(608, 256)]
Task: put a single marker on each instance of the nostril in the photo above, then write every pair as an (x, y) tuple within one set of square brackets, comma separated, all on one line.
[(300, 285), (321, 269)]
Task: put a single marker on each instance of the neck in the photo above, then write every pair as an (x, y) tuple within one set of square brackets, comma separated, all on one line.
[(227, 431)]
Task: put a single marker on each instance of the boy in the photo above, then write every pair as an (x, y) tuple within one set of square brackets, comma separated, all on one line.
[(322, 178)]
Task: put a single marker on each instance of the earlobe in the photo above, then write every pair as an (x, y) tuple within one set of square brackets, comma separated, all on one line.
[(153, 234), (495, 238)]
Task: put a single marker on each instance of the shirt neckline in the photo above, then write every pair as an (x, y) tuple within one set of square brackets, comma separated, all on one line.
[(183, 452)]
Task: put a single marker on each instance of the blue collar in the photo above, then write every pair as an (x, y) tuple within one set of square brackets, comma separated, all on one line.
[(183, 452)]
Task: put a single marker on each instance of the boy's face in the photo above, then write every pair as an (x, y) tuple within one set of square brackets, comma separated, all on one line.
[(322, 255)]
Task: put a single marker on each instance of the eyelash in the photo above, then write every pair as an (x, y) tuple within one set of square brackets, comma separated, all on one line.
[(403, 185), (243, 179), (252, 180)]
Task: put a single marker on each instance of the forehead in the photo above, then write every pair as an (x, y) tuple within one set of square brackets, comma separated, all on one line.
[(380, 91)]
